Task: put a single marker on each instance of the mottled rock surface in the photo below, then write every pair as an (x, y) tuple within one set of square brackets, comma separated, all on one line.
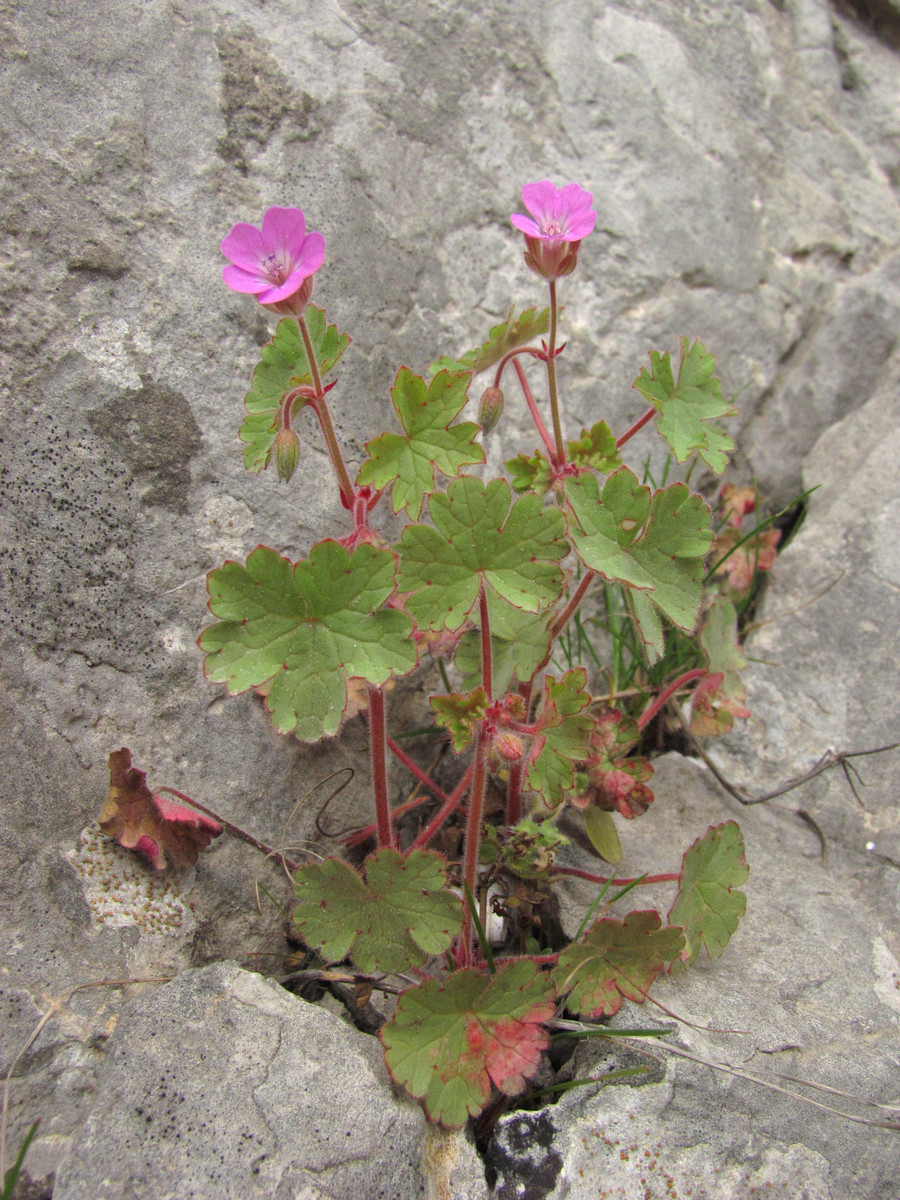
[(745, 160)]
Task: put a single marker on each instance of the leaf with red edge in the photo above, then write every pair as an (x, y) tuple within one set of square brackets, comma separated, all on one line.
[(154, 826), (397, 918), (618, 782), (460, 714), (448, 1042), (708, 905), (561, 736), (720, 695), (616, 959)]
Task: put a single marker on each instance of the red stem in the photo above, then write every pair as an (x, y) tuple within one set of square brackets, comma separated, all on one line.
[(378, 758), (655, 705), (487, 673), (320, 405), (437, 792), (635, 428), (572, 607), (450, 805), (577, 873), (535, 415), (473, 838), (234, 830), (517, 770)]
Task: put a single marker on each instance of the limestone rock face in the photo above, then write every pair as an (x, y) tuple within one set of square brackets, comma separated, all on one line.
[(744, 159)]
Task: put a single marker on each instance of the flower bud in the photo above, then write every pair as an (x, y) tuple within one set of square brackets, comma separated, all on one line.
[(490, 409), (295, 304), (286, 451), (508, 746)]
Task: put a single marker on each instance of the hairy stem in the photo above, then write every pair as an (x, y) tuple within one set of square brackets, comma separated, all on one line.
[(234, 830), (487, 669), (635, 428), (551, 379), (449, 806), (517, 770), (473, 836), (533, 409), (321, 408), (577, 873), (573, 605), (414, 769), (655, 705), (378, 758)]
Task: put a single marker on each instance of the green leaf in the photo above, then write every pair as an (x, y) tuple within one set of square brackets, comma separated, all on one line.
[(399, 917), (654, 544), (479, 540), (460, 714), (304, 630), (596, 448), (503, 338), (428, 444), (615, 959), (707, 906), (600, 827), (719, 697), (519, 644), (283, 365), (562, 732), (448, 1042), (686, 406), (530, 473)]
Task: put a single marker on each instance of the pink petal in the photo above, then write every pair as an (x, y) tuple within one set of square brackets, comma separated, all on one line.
[(292, 284), (525, 225), (244, 246), (542, 200), (311, 256), (240, 280), (283, 229)]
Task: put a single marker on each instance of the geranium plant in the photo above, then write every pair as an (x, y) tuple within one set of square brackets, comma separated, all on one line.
[(489, 578)]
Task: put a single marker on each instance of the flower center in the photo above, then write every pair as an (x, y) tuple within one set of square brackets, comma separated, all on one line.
[(551, 228), (274, 269)]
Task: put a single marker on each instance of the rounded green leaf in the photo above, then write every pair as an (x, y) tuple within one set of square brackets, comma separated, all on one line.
[(708, 905), (401, 915)]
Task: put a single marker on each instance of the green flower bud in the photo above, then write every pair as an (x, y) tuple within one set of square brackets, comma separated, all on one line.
[(286, 451), (490, 409)]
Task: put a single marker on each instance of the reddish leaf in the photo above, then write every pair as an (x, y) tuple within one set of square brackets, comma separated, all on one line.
[(154, 826), (617, 782), (616, 959)]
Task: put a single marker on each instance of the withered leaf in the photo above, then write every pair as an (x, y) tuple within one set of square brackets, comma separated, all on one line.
[(161, 830)]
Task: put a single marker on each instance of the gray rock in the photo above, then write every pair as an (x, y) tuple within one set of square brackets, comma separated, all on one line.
[(222, 1085), (744, 159), (808, 986)]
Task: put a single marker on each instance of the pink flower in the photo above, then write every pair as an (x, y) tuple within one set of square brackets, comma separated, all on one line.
[(274, 263), (560, 218), (560, 214)]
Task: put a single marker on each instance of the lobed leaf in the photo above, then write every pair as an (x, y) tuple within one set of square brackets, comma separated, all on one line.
[(562, 731), (618, 782), (719, 697), (596, 448), (401, 915), (655, 544), (305, 630), (153, 826), (428, 443), (503, 338), (479, 540), (688, 404), (283, 365), (448, 1042), (708, 906), (460, 714), (615, 959)]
